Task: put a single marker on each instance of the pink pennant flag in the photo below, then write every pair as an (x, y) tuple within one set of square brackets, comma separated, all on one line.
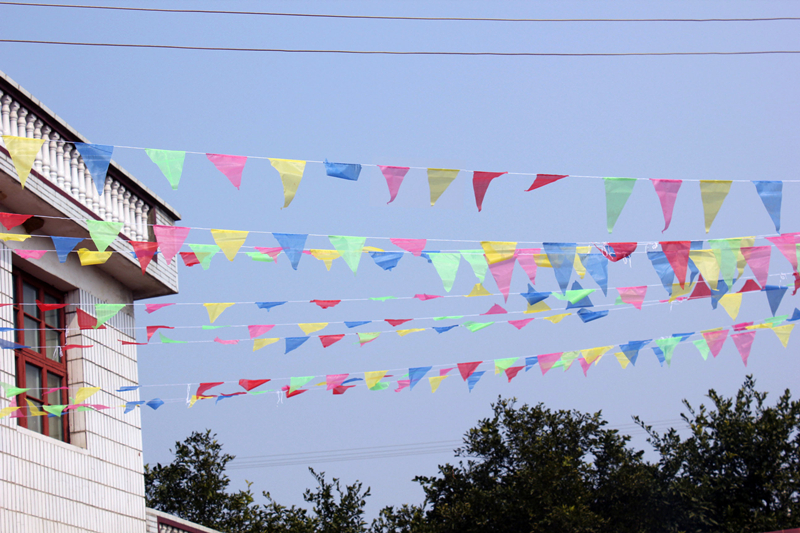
[(621, 250), (480, 182), (170, 239), (152, 308), (272, 252), (30, 254), (230, 165), (152, 329), (423, 297), (335, 380), (584, 365), (743, 342), (466, 369), (786, 243), (545, 179), (633, 295), (527, 262), (547, 361), (217, 339), (394, 178), (445, 371), (741, 326), (519, 324), (415, 246), (402, 384), (144, 250), (677, 253), (667, 191), (496, 310), (502, 272), (397, 322), (257, 330), (757, 258), (715, 340)]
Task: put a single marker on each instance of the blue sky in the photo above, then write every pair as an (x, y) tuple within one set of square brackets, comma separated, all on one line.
[(649, 117)]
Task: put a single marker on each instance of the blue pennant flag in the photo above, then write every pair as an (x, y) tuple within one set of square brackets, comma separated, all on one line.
[(128, 388), (474, 378), (771, 194), (663, 269), (722, 290), (386, 260), (583, 302), (442, 329), (597, 267), (130, 406), (8, 345), (631, 349), (268, 305), (587, 316), (774, 296), (96, 157), (345, 171), (345, 382), (416, 374), (357, 323), (293, 245), (155, 403), (562, 258), (683, 336), (694, 271), (660, 354), (530, 361), (64, 245), (292, 343), (795, 315), (534, 297)]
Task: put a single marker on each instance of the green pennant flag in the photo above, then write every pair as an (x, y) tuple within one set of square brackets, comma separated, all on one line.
[(296, 383), (713, 193), (364, 338), (206, 326), (618, 190), (566, 360), (11, 390), (575, 295), (257, 256), (54, 409), (103, 233), (448, 317), (350, 248), (383, 298), (501, 365), (446, 265), (105, 311), (478, 263), (170, 162), (167, 340), (725, 250), (476, 326), (206, 252), (667, 346), (702, 347)]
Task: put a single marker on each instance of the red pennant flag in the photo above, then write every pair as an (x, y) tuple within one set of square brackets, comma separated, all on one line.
[(327, 340), (467, 369), (129, 343), (741, 326), (12, 220), (203, 387), (621, 250), (152, 329), (796, 282), (49, 307), (71, 346), (701, 289), (480, 182), (545, 179), (749, 286), (250, 384), (326, 303), (397, 322), (145, 251), (341, 389), (87, 321), (289, 393), (677, 253), (189, 259), (512, 372)]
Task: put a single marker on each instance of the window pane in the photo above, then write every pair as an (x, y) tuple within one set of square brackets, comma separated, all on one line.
[(53, 382), (51, 338), (30, 337), (52, 317), (33, 380), (55, 427), (29, 296), (35, 423)]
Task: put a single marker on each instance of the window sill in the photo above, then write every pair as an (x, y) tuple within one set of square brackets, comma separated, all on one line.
[(45, 438)]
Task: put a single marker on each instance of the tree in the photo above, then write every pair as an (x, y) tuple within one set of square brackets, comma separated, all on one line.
[(739, 470)]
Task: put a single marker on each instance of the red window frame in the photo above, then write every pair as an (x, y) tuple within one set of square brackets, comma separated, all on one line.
[(37, 355)]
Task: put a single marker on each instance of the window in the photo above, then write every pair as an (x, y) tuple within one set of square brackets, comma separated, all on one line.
[(41, 365)]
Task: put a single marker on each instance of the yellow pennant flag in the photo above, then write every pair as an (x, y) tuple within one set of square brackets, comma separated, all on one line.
[(84, 393), (229, 241), (35, 411), (538, 307), (404, 332), (291, 172), (436, 381), (783, 333), (497, 251), (542, 261), (325, 255), (16, 237), (214, 310), (678, 291), (23, 153), (260, 343), (578, 265), (478, 290), (623, 359), (713, 193), (311, 327), (368, 249), (89, 257), (741, 262), (439, 179), (5, 411), (372, 378), (593, 355), (731, 302), (555, 319), (706, 263)]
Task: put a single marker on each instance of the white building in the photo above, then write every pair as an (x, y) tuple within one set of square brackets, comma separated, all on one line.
[(81, 471)]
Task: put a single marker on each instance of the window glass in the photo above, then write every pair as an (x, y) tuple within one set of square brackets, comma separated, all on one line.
[(35, 423), (51, 318), (30, 337), (55, 424), (29, 295), (51, 338), (33, 380)]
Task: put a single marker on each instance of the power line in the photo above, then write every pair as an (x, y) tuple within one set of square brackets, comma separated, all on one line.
[(400, 53), (389, 17)]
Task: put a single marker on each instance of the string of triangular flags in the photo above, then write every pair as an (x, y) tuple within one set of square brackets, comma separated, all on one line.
[(618, 190)]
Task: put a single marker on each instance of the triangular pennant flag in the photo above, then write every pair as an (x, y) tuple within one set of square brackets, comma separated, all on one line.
[(64, 245), (525, 258), (726, 251), (623, 359), (620, 250), (701, 289), (466, 369), (170, 239), (326, 256), (394, 178), (545, 179), (439, 179), (152, 329), (498, 251), (662, 268), (757, 258), (292, 343), (415, 246), (394, 323), (597, 266), (373, 378), (706, 263), (309, 328), (190, 258), (335, 380), (618, 190), (327, 340), (365, 338), (500, 365), (480, 182), (771, 194), (30, 254), (719, 292), (230, 165), (145, 250), (167, 340), (88, 257), (478, 290), (291, 172), (774, 296), (512, 372), (731, 302), (783, 333), (786, 243), (292, 245), (96, 158), (633, 295), (555, 319), (713, 193), (702, 347), (446, 265), (14, 237), (298, 382), (667, 346), (229, 241), (216, 309), (435, 381), (350, 248), (386, 260), (83, 393), (474, 378), (715, 340), (577, 296), (12, 220), (677, 253), (103, 233), (23, 153), (562, 258), (502, 272), (325, 304), (257, 330), (416, 374), (105, 312), (11, 390), (631, 349), (356, 323), (476, 326), (519, 324), (496, 310), (170, 162), (260, 343), (478, 263), (221, 341), (587, 316), (667, 191), (204, 253), (443, 329), (593, 355), (547, 361), (534, 297), (744, 342), (345, 171), (258, 256)]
